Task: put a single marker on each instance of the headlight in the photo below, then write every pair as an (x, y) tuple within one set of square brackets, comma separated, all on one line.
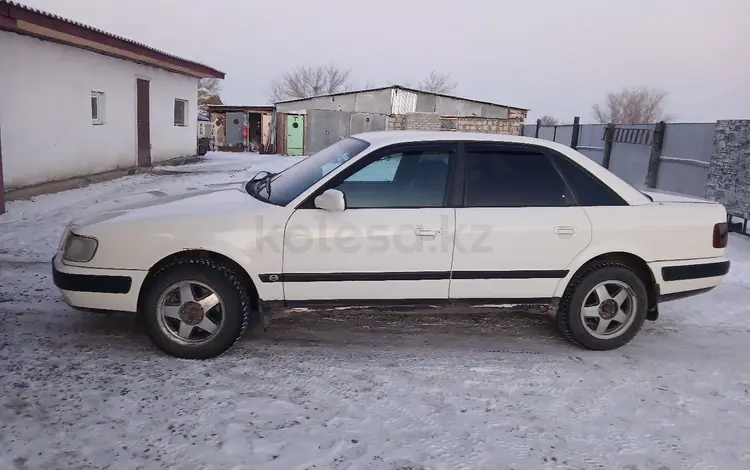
[(79, 249)]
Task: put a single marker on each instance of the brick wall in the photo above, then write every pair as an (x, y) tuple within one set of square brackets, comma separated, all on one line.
[(422, 122), (489, 125), (729, 172), (395, 122), (431, 122), (517, 114)]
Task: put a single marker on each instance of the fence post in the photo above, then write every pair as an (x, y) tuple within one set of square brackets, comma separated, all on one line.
[(576, 130), (536, 131), (2, 184), (655, 157), (609, 136)]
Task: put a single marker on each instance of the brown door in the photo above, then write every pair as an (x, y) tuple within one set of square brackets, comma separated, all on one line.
[(144, 124)]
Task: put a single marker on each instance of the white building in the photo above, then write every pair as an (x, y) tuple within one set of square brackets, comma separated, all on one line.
[(75, 100)]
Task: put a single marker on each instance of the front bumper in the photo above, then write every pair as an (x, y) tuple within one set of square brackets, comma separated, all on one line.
[(97, 289)]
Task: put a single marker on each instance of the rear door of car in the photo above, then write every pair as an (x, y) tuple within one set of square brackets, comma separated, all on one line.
[(518, 226)]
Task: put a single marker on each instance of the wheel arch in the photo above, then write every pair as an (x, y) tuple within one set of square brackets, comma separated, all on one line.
[(638, 264), (228, 262)]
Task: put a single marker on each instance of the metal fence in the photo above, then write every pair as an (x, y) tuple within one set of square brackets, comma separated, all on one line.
[(677, 155)]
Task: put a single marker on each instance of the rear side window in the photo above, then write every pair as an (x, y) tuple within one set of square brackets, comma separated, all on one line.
[(498, 177), (588, 190)]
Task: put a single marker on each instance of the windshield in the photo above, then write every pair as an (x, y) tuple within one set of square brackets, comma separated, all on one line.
[(293, 181)]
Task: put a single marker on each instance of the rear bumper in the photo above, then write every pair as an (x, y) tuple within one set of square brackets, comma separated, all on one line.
[(97, 289), (695, 271), (678, 279)]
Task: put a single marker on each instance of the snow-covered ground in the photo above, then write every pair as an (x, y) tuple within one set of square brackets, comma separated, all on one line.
[(351, 391)]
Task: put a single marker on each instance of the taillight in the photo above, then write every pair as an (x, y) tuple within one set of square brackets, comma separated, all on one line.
[(721, 235)]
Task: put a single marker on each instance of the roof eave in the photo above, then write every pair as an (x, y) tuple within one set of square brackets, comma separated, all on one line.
[(24, 20)]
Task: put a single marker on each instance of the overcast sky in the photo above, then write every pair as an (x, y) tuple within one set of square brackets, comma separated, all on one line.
[(555, 57)]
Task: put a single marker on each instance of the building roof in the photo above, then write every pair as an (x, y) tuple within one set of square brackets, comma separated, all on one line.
[(399, 87), (29, 21), (228, 107)]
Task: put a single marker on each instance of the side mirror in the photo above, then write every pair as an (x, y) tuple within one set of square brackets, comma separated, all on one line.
[(331, 200)]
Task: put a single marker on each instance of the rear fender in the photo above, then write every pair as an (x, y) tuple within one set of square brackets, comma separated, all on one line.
[(589, 254)]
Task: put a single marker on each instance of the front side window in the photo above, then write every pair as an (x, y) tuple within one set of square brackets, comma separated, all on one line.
[(180, 112), (290, 183), (410, 179), (505, 177)]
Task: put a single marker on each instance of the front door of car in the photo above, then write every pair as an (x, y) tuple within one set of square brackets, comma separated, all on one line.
[(393, 241), (519, 228)]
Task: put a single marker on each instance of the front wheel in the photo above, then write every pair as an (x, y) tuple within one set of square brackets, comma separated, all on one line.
[(196, 309), (604, 307)]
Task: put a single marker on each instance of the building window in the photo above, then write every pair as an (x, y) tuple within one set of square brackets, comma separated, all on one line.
[(97, 107), (180, 112)]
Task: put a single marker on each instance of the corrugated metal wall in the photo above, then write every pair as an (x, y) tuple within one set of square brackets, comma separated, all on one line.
[(326, 127)]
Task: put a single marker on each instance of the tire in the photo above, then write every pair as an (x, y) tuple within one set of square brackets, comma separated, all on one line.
[(230, 315), (580, 295)]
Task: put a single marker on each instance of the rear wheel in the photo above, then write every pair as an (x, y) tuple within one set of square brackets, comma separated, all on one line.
[(196, 309), (604, 306)]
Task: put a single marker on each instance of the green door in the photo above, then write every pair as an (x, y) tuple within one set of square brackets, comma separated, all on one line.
[(295, 134)]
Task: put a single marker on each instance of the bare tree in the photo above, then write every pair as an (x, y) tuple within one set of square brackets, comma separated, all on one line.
[(214, 85), (304, 82), (437, 83), (206, 98), (549, 121), (208, 93), (638, 105)]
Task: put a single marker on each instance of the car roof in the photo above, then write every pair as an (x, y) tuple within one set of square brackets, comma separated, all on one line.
[(383, 138)]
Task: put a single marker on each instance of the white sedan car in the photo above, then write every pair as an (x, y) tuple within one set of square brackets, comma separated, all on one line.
[(433, 221)]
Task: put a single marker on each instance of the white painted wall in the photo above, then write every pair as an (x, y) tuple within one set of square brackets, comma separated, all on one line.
[(45, 111)]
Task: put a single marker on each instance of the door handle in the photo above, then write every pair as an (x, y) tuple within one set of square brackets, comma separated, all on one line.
[(565, 231), (426, 232)]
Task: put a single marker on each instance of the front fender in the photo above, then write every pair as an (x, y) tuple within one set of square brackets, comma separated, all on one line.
[(140, 247), (254, 255)]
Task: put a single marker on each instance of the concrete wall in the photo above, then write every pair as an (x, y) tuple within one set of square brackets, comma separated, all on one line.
[(458, 107), (446, 106), (378, 102), (729, 173), (45, 111)]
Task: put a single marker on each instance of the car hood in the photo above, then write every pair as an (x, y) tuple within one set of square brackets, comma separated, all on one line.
[(165, 204)]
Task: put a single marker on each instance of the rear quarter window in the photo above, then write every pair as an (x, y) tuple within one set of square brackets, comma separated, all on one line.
[(587, 189)]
